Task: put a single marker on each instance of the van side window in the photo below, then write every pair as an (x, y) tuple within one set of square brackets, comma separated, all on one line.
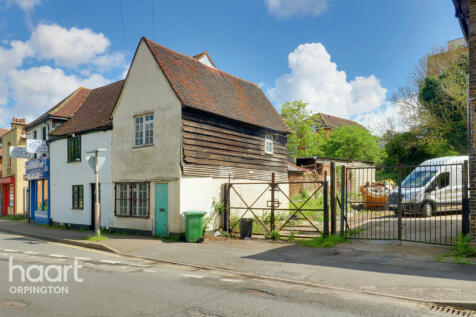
[(443, 180)]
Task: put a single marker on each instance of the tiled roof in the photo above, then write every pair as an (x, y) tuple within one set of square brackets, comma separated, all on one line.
[(3, 132), (208, 89), (95, 111), (329, 121), (65, 108)]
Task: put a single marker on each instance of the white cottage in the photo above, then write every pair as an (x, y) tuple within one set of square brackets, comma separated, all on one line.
[(71, 176), (181, 128)]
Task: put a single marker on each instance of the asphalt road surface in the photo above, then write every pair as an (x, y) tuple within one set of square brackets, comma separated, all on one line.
[(120, 286)]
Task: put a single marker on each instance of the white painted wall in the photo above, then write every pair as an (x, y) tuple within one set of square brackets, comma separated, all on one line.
[(197, 193), (64, 175), (146, 90)]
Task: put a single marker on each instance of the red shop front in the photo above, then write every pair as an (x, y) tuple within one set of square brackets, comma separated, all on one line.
[(7, 194)]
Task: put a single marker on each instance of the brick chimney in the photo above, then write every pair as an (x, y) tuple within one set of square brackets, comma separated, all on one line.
[(18, 123)]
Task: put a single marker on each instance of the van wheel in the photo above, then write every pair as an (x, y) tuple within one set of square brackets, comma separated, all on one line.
[(426, 210)]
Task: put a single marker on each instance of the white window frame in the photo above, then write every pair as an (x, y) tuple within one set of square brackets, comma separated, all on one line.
[(144, 130), (268, 143)]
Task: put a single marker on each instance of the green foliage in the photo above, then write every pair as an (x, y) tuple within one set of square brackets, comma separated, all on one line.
[(272, 235), (411, 149), (218, 206), (97, 238), (322, 242), (292, 236), (225, 234), (206, 222), (351, 142), (302, 141), (15, 218), (436, 113), (463, 247)]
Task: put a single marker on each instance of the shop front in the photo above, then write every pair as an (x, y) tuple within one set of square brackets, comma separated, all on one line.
[(7, 190), (37, 174)]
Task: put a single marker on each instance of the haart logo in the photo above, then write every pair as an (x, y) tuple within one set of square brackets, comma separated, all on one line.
[(36, 273)]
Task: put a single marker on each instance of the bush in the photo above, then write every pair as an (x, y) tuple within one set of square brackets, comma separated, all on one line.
[(463, 247), (322, 242), (272, 235)]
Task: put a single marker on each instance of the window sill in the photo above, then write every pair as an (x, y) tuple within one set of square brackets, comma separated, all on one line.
[(73, 161), (77, 208), (142, 146), (127, 216)]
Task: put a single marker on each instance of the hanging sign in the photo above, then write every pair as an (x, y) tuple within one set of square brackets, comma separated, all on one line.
[(36, 146), (18, 152)]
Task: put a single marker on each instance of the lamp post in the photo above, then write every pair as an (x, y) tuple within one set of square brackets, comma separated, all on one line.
[(97, 205)]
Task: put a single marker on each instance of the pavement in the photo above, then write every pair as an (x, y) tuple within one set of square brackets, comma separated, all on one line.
[(389, 268), (113, 285)]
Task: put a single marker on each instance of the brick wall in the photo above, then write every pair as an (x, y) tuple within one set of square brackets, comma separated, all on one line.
[(472, 116)]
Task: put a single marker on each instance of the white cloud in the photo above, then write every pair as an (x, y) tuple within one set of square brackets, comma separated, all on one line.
[(39, 88), (386, 117), (283, 9), (68, 47), (314, 79), (80, 57), (25, 4)]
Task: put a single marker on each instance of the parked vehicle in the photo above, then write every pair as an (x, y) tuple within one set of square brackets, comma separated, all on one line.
[(434, 186)]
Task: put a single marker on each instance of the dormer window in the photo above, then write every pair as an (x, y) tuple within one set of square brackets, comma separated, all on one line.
[(268, 144)]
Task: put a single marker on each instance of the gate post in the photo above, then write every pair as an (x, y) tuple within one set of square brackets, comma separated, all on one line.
[(226, 213), (326, 210), (343, 203), (465, 215), (333, 198), (272, 201), (399, 203)]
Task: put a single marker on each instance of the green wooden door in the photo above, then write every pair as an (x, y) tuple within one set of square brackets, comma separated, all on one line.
[(162, 210)]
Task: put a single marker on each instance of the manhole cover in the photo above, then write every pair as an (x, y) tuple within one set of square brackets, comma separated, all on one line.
[(13, 304)]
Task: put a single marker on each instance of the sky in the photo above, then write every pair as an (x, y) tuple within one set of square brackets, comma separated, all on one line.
[(342, 57)]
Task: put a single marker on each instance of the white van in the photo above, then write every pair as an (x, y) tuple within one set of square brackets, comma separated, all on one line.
[(434, 186)]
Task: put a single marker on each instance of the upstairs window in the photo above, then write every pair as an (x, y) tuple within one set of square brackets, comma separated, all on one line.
[(74, 148), (268, 144), (144, 130), (43, 133), (34, 135)]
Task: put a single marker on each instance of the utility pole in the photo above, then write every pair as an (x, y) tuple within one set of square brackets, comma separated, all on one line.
[(97, 204)]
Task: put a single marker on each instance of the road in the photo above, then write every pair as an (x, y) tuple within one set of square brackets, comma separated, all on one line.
[(120, 286)]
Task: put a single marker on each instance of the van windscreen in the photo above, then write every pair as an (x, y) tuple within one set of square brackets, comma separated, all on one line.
[(419, 177)]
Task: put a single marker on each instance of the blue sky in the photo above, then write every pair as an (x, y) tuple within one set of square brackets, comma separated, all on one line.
[(344, 57)]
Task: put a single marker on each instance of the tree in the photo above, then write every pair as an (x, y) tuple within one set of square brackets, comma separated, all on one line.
[(351, 142), (433, 103), (302, 141)]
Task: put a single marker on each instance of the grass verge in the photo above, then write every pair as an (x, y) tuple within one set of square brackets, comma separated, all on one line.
[(462, 251), (97, 238), (16, 218), (322, 242)]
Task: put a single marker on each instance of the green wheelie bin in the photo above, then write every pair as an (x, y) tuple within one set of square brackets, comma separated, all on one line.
[(194, 225)]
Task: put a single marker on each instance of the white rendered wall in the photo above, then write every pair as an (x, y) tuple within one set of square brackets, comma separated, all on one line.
[(64, 175)]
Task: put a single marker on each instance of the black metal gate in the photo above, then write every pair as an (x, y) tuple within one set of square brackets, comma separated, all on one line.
[(426, 203), (275, 210)]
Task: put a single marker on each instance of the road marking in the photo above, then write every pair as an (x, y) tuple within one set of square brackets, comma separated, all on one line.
[(110, 262), (58, 256), (230, 280), (149, 271), (10, 250), (79, 258), (192, 276), (30, 252)]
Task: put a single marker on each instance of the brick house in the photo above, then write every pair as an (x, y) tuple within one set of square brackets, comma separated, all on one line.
[(466, 14), (328, 123)]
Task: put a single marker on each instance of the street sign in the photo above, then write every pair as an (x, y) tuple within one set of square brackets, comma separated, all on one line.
[(18, 152), (36, 146), (91, 161)]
